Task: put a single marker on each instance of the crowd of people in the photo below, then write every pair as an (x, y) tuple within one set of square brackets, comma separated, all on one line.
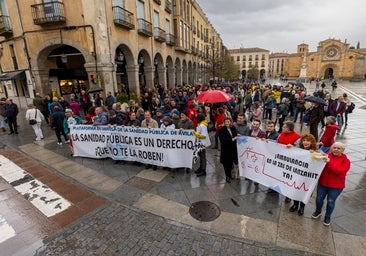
[(254, 110)]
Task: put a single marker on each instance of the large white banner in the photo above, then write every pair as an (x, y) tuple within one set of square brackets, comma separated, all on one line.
[(289, 171), (170, 148)]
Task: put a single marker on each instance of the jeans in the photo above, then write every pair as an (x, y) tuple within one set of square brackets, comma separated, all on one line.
[(331, 194), (340, 121), (3, 119), (203, 162)]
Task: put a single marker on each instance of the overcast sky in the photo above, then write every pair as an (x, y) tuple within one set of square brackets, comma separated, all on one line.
[(280, 25)]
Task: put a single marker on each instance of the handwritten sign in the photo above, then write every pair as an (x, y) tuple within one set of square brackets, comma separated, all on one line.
[(289, 171)]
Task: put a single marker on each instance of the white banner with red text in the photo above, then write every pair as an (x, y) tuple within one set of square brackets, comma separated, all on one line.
[(290, 171), (169, 148)]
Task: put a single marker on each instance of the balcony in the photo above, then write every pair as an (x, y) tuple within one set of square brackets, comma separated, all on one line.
[(48, 13), (194, 50), (181, 49), (194, 29), (144, 28), (168, 6), (159, 34), (5, 28), (170, 39), (123, 17)]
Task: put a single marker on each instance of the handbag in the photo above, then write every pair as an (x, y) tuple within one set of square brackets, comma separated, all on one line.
[(33, 121)]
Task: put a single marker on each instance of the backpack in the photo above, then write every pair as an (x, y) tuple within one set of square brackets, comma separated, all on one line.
[(351, 107)]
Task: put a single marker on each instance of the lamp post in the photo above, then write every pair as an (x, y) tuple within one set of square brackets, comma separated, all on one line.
[(141, 72), (156, 74)]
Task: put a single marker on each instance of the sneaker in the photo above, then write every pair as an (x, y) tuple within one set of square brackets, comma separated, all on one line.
[(59, 143), (326, 221), (316, 215), (67, 142)]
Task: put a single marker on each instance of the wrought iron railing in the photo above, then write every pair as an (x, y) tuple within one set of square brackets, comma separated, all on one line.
[(159, 34), (5, 27), (170, 39), (144, 27), (48, 12), (123, 17)]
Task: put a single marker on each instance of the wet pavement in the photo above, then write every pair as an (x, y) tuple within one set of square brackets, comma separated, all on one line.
[(120, 209)]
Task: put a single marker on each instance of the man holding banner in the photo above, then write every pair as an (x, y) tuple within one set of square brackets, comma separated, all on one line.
[(288, 137)]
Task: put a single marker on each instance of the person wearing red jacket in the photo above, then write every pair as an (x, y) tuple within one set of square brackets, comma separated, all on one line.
[(327, 139), (332, 181)]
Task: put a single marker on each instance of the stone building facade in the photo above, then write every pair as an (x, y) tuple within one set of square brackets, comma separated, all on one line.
[(332, 59), (61, 47), (248, 58)]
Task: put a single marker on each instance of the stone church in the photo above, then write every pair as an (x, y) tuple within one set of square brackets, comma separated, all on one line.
[(332, 59)]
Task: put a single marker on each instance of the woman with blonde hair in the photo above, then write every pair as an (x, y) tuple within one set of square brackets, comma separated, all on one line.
[(332, 181)]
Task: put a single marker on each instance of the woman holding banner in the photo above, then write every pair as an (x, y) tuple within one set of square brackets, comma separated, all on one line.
[(307, 142), (332, 181), (228, 154)]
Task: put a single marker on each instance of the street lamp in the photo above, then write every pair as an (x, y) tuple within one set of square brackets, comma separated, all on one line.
[(156, 72), (120, 56)]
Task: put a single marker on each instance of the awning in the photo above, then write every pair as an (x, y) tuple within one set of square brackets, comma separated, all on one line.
[(15, 75)]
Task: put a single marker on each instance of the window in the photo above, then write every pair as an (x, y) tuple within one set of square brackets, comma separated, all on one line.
[(237, 58), (156, 19), (167, 26), (51, 8), (140, 10), (13, 57), (244, 58), (120, 3)]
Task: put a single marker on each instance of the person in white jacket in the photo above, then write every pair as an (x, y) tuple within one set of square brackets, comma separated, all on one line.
[(35, 114), (202, 134)]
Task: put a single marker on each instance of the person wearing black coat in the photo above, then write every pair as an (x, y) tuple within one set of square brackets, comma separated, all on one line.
[(228, 154), (57, 123), (316, 115), (11, 112)]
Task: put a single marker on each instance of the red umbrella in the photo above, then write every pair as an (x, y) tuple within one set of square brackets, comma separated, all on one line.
[(213, 96)]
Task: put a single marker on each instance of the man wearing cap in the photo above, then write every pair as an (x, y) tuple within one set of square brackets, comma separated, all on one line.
[(159, 116), (185, 123)]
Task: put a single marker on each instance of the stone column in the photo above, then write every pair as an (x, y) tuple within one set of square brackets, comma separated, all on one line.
[(133, 79), (171, 77), (41, 77), (178, 72), (149, 76), (162, 75)]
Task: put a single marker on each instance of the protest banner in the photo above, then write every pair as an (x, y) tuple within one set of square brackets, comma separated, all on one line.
[(169, 148), (289, 171)]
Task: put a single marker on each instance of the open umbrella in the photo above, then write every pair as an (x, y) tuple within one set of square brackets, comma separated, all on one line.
[(95, 90), (315, 99), (298, 84), (213, 96)]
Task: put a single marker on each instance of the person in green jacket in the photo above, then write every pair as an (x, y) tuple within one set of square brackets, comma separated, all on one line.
[(70, 120)]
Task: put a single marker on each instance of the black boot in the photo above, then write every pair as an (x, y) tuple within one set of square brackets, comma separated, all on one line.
[(294, 208), (301, 210), (202, 173), (199, 170)]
